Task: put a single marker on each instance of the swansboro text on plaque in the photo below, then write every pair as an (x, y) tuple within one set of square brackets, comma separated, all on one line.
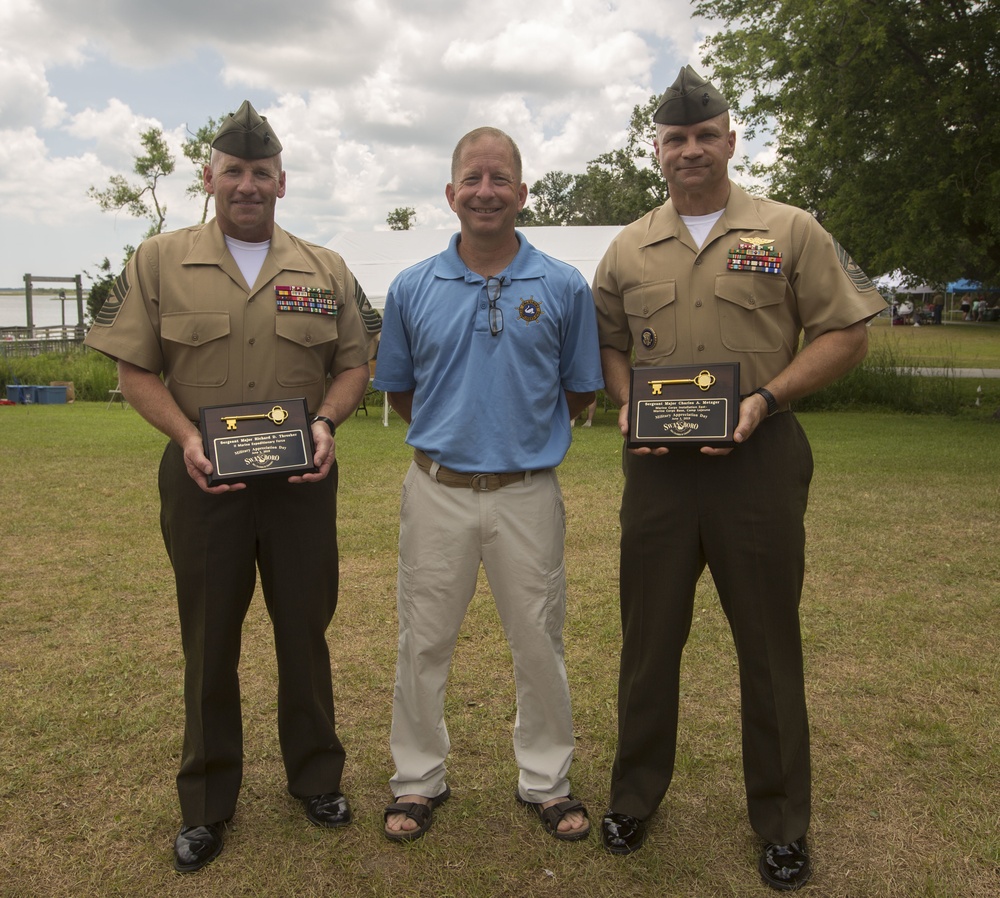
[(694, 405), (257, 439)]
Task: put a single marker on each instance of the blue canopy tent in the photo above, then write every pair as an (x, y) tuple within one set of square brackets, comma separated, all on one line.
[(966, 286)]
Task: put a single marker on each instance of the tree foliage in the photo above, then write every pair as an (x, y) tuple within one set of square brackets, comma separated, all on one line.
[(157, 162), (883, 119), (140, 200), (402, 218), (198, 148), (617, 188), (103, 282)]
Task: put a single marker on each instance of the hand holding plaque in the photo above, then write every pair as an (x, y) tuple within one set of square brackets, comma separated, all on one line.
[(257, 439), (690, 405)]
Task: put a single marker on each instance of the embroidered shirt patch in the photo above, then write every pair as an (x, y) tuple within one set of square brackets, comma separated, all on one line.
[(316, 300), (529, 310)]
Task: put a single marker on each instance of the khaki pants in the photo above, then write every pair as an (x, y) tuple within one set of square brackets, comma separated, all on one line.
[(517, 534)]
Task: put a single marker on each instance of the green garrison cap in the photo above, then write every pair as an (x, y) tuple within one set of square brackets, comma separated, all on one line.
[(689, 100), (247, 135)]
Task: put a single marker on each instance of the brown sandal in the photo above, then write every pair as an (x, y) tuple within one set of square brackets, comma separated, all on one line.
[(551, 816), (422, 814)]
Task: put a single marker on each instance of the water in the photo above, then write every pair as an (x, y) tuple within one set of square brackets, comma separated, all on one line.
[(46, 310)]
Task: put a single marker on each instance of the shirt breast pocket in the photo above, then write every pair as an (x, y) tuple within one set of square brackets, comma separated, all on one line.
[(652, 318), (303, 347), (195, 348), (751, 311)]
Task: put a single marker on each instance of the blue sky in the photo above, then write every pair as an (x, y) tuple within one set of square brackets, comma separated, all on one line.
[(368, 103)]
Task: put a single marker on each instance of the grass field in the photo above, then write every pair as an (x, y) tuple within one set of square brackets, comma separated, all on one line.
[(900, 623), (957, 345)]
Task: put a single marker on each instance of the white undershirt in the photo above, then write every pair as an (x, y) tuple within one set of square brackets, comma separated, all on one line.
[(700, 225), (249, 257)]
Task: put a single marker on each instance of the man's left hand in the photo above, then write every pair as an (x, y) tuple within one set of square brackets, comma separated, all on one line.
[(326, 452), (753, 410)]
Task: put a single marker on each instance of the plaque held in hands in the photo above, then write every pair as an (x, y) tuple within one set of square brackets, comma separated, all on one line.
[(257, 439), (693, 405)]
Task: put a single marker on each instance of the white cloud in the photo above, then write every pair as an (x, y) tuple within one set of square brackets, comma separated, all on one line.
[(368, 98), (24, 94), (115, 130)]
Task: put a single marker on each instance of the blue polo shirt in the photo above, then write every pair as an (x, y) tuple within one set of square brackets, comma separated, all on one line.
[(485, 403)]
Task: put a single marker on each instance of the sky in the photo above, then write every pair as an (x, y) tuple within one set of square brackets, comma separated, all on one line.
[(368, 98)]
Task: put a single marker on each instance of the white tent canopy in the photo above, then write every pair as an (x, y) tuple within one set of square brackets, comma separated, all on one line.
[(376, 257), (899, 281)]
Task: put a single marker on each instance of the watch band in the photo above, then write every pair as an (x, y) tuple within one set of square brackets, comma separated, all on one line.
[(772, 403), (333, 427)]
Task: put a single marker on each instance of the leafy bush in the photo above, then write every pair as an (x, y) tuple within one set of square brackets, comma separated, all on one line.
[(91, 373), (883, 380)]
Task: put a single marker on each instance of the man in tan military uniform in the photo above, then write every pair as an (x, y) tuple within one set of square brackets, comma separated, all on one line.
[(209, 309), (715, 275)]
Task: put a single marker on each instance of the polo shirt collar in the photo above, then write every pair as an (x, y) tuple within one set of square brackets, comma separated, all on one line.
[(525, 265)]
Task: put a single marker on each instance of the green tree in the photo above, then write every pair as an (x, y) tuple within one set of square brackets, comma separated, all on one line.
[(198, 148), (103, 283), (100, 287), (551, 201), (617, 188), (401, 218), (883, 120), (157, 162), (623, 184)]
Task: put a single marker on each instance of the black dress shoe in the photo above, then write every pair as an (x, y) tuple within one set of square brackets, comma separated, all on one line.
[(329, 809), (785, 867), (196, 846), (622, 834)]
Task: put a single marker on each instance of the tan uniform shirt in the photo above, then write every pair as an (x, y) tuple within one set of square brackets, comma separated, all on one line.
[(181, 308), (678, 305)]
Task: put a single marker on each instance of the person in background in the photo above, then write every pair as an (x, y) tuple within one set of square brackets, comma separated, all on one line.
[(488, 351), (715, 275), (212, 310), (590, 415)]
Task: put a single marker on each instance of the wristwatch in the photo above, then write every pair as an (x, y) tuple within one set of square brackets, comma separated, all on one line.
[(772, 403), (333, 427)]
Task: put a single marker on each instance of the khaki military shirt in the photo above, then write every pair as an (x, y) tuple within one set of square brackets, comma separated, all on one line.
[(181, 308), (674, 304)]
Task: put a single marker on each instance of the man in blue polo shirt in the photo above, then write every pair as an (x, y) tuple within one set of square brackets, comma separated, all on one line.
[(488, 351)]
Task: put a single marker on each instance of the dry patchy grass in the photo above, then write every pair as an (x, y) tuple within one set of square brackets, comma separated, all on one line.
[(899, 618)]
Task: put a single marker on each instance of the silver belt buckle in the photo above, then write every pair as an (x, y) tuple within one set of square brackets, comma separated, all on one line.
[(478, 483)]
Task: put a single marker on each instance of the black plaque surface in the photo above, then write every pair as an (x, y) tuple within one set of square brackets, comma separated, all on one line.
[(257, 439), (684, 405)]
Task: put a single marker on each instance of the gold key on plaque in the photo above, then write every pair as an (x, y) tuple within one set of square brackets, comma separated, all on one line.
[(277, 415), (703, 380)]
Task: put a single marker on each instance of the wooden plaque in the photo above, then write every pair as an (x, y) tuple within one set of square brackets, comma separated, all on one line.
[(257, 439), (693, 405)]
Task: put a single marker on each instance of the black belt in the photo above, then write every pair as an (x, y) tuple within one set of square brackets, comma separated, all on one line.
[(448, 477)]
